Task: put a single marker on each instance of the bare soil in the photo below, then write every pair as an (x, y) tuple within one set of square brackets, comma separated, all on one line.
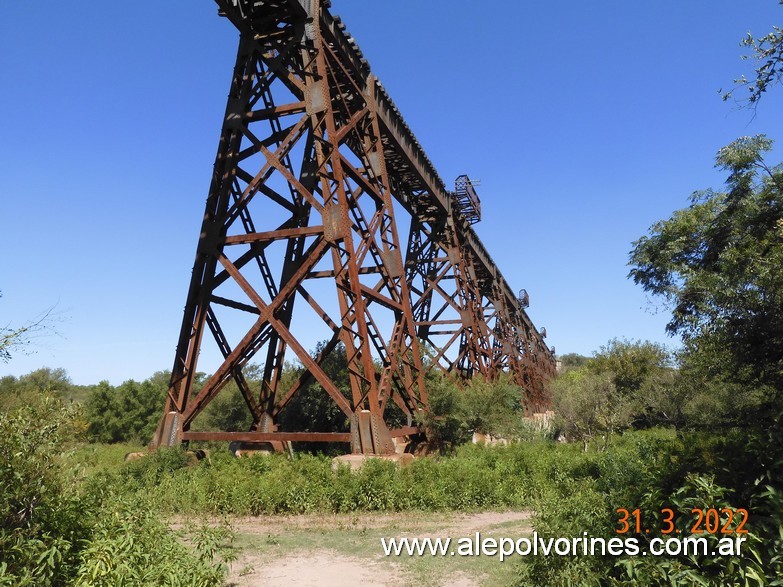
[(345, 550)]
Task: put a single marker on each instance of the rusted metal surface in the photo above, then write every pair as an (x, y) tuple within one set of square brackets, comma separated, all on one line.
[(312, 158), (466, 200), (269, 436)]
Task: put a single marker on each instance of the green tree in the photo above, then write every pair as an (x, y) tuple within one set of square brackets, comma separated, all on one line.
[(19, 391), (228, 411), (456, 411), (128, 412), (588, 405), (630, 363), (571, 361), (312, 409), (444, 421), (493, 407), (644, 378), (718, 264)]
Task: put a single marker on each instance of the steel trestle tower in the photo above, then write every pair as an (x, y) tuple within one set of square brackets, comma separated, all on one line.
[(314, 167)]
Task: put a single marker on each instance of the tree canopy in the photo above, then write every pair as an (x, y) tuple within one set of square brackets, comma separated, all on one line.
[(718, 263)]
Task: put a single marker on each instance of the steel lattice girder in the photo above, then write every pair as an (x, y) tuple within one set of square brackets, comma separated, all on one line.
[(313, 148)]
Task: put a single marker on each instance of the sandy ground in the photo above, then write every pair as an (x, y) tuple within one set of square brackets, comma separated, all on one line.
[(325, 567), (318, 569)]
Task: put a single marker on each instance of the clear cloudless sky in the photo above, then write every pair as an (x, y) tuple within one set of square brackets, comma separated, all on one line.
[(586, 122)]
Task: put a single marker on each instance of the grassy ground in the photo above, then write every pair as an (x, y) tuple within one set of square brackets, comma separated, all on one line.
[(101, 457), (304, 549)]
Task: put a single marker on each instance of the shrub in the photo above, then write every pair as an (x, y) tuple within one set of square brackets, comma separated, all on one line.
[(656, 469), (54, 531)]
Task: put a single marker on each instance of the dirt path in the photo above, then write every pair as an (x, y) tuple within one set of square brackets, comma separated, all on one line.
[(345, 549), (320, 568)]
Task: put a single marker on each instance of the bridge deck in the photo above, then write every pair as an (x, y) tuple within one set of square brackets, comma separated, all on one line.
[(403, 147), (418, 187)]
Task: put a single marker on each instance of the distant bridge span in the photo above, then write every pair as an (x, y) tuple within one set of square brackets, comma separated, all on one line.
[(324, 214)]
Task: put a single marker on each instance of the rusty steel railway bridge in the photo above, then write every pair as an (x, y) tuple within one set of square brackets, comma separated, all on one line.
[(316, 176)]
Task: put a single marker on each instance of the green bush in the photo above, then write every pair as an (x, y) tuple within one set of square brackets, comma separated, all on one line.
[(41, 523), (474, 477), (130, 545), (55, 530), (656, 469), (486, 407)]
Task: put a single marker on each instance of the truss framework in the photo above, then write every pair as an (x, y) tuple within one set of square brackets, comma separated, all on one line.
[(313, 169)]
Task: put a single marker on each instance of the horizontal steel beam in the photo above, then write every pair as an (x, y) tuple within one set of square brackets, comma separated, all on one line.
[(270, 436), (405, 431)]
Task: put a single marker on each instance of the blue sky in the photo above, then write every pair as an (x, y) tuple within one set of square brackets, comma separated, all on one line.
[(585, 122)]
